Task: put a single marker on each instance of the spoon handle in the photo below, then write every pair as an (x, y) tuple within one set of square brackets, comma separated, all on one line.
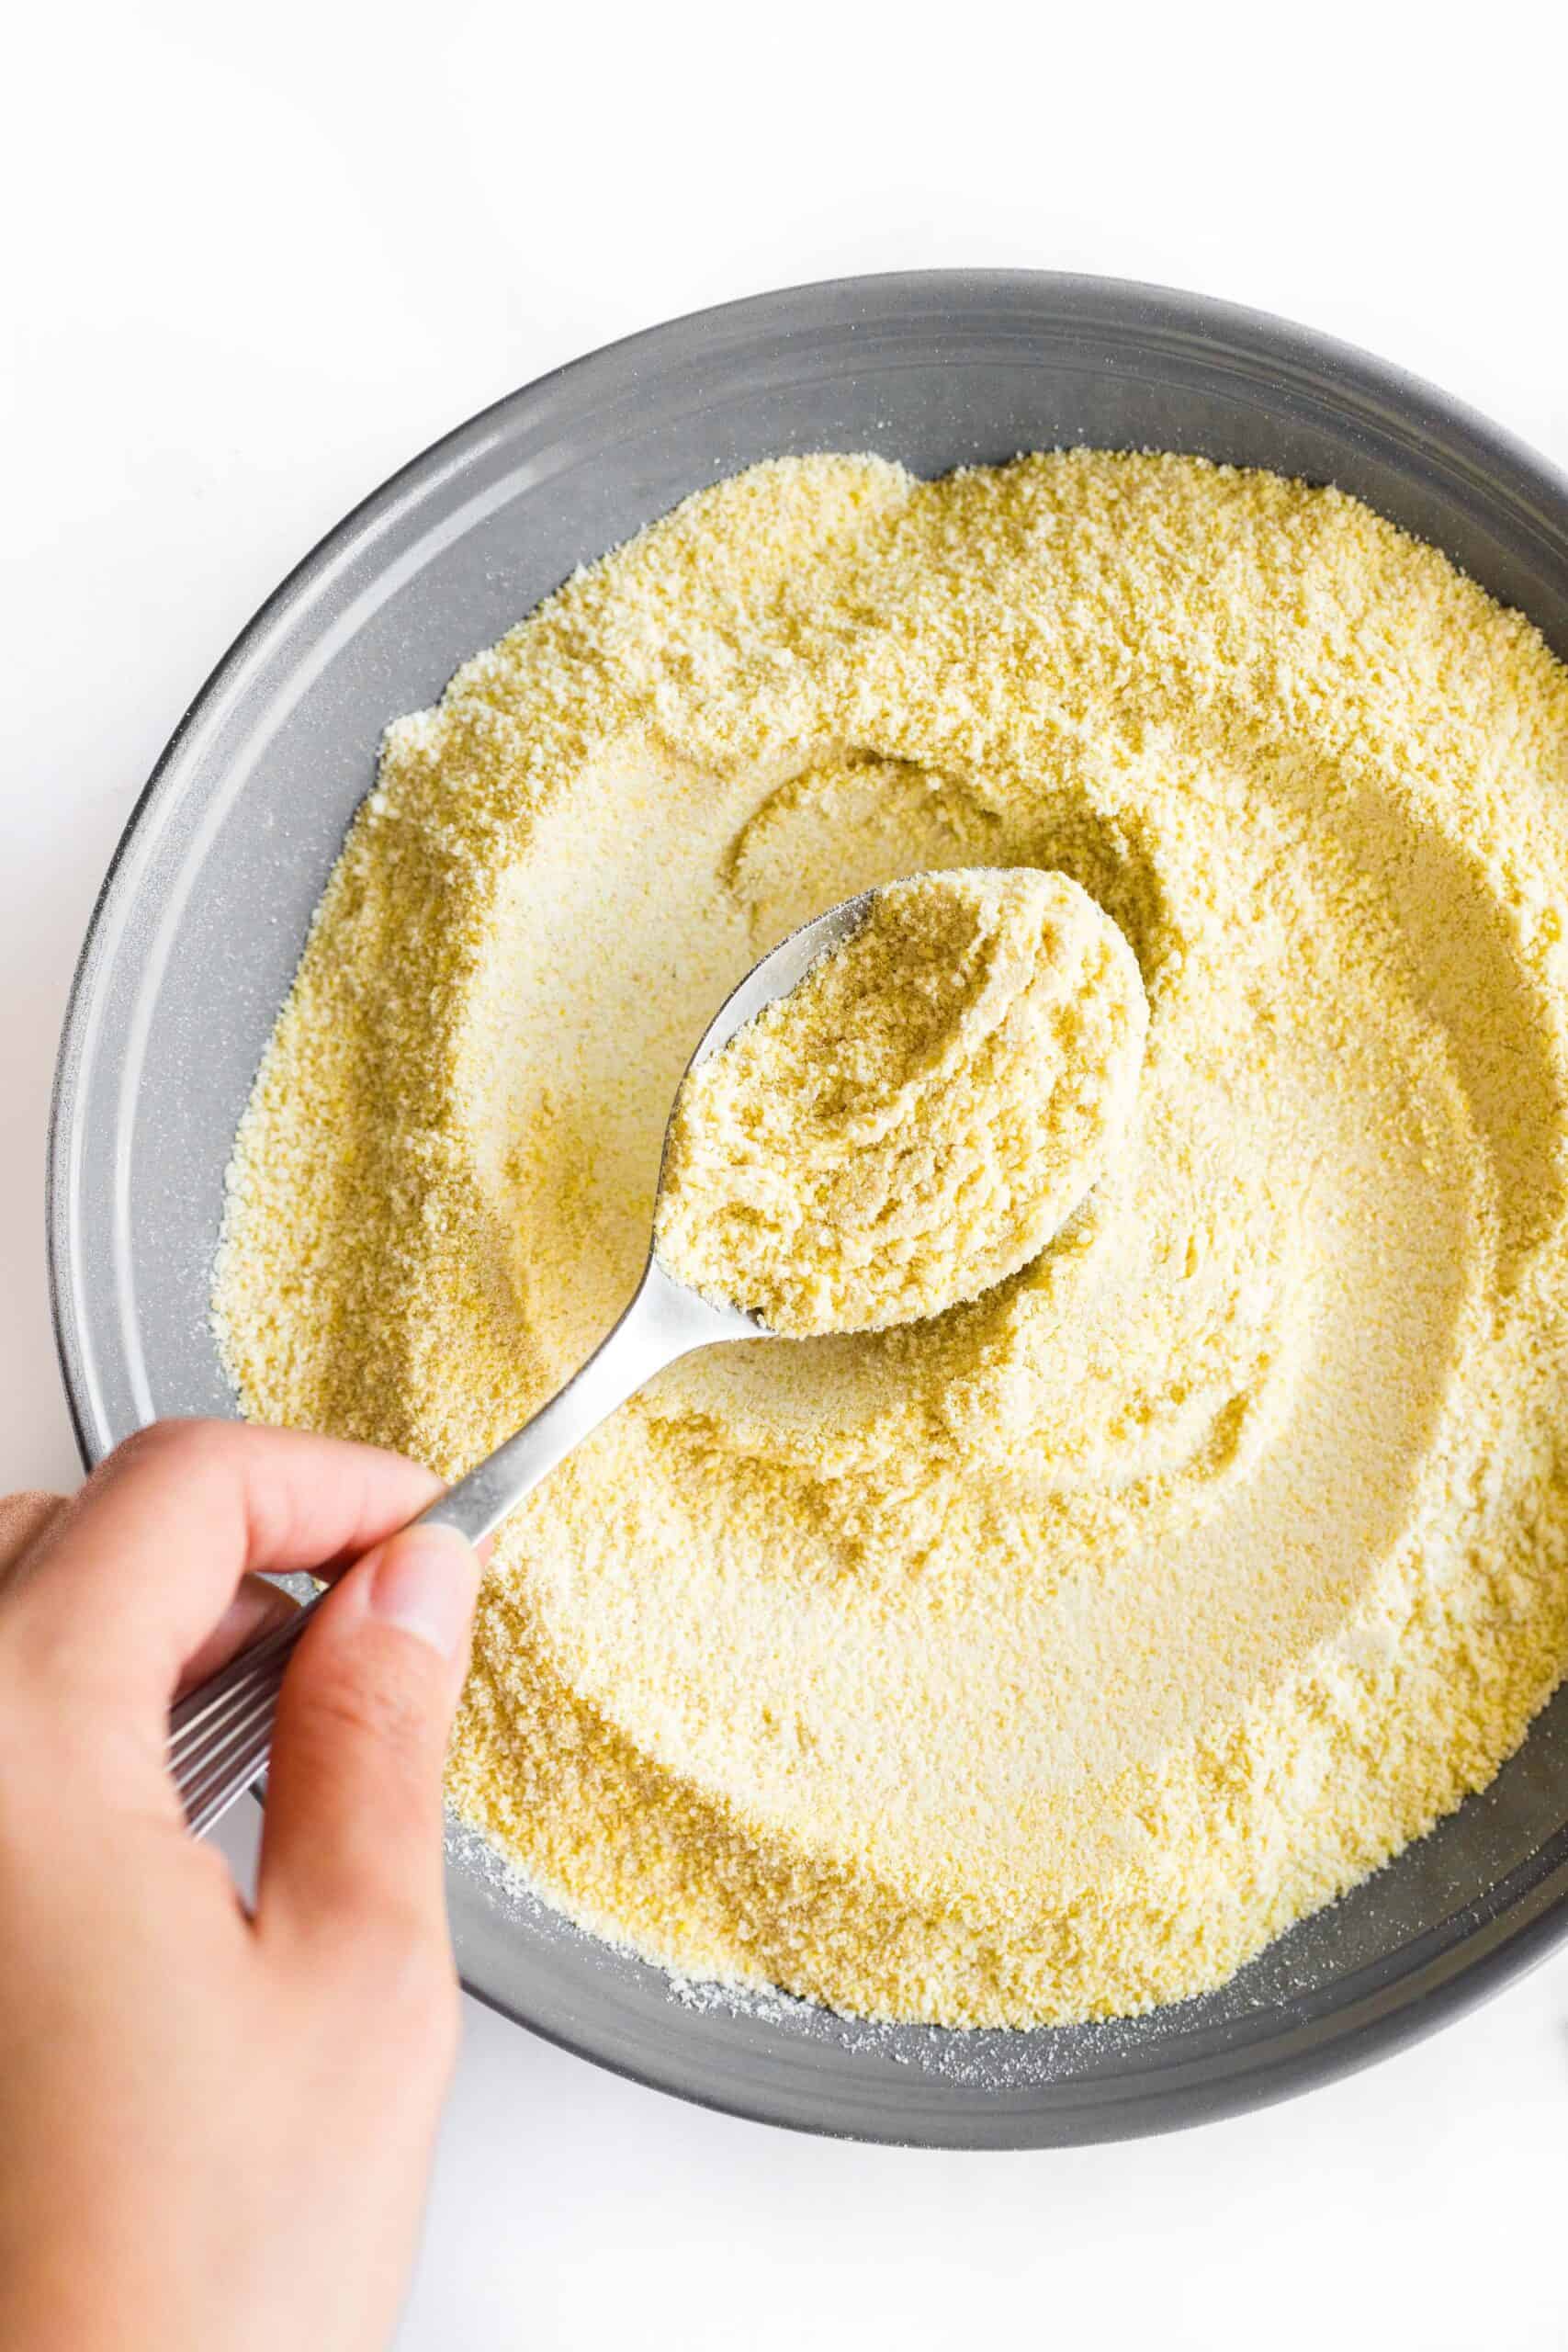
[(220, 1733), (662, 1322)]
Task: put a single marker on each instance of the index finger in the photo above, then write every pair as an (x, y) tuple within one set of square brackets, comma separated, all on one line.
[(130, 1580)]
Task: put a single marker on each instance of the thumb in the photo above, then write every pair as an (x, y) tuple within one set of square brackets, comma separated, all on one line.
[(353, 1837)]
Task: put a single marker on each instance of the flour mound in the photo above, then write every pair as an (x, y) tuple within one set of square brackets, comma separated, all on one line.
[(1043, 1659)]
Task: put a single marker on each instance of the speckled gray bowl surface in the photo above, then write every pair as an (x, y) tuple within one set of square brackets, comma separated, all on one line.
[(205, 909)]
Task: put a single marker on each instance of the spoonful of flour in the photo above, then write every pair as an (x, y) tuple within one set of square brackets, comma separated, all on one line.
[(916, 1119)]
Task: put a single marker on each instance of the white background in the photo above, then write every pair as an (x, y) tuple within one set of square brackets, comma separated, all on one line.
[(256, 258)]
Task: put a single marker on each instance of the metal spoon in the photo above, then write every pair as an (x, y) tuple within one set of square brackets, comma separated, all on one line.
[(221, 1734)]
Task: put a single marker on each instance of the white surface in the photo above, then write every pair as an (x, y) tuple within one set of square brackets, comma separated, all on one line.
[(256, 259)]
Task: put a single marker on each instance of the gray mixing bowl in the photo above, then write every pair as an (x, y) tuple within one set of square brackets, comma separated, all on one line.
[(205, 909)]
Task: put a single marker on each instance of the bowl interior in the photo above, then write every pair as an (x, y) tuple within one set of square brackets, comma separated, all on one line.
[(204, 914)]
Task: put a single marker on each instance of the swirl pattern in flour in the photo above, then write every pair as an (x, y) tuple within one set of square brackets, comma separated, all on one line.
[(1045, 1660)]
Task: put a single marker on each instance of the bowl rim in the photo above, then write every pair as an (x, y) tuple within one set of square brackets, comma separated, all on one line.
[(1502, 1947)]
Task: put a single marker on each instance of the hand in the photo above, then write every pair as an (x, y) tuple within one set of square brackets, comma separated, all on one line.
[(216, 2129)]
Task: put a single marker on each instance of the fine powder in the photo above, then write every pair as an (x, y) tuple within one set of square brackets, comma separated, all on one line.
[(916, 1118), (1045, 1660)]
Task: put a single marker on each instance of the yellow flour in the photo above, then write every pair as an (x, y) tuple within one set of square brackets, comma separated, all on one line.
[(916, 1118), (1045, 1660)]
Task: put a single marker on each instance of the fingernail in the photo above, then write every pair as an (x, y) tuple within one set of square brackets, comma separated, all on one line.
[(422, 1582)]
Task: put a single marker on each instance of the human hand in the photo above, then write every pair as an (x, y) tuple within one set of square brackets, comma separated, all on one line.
[(216, 2129)]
